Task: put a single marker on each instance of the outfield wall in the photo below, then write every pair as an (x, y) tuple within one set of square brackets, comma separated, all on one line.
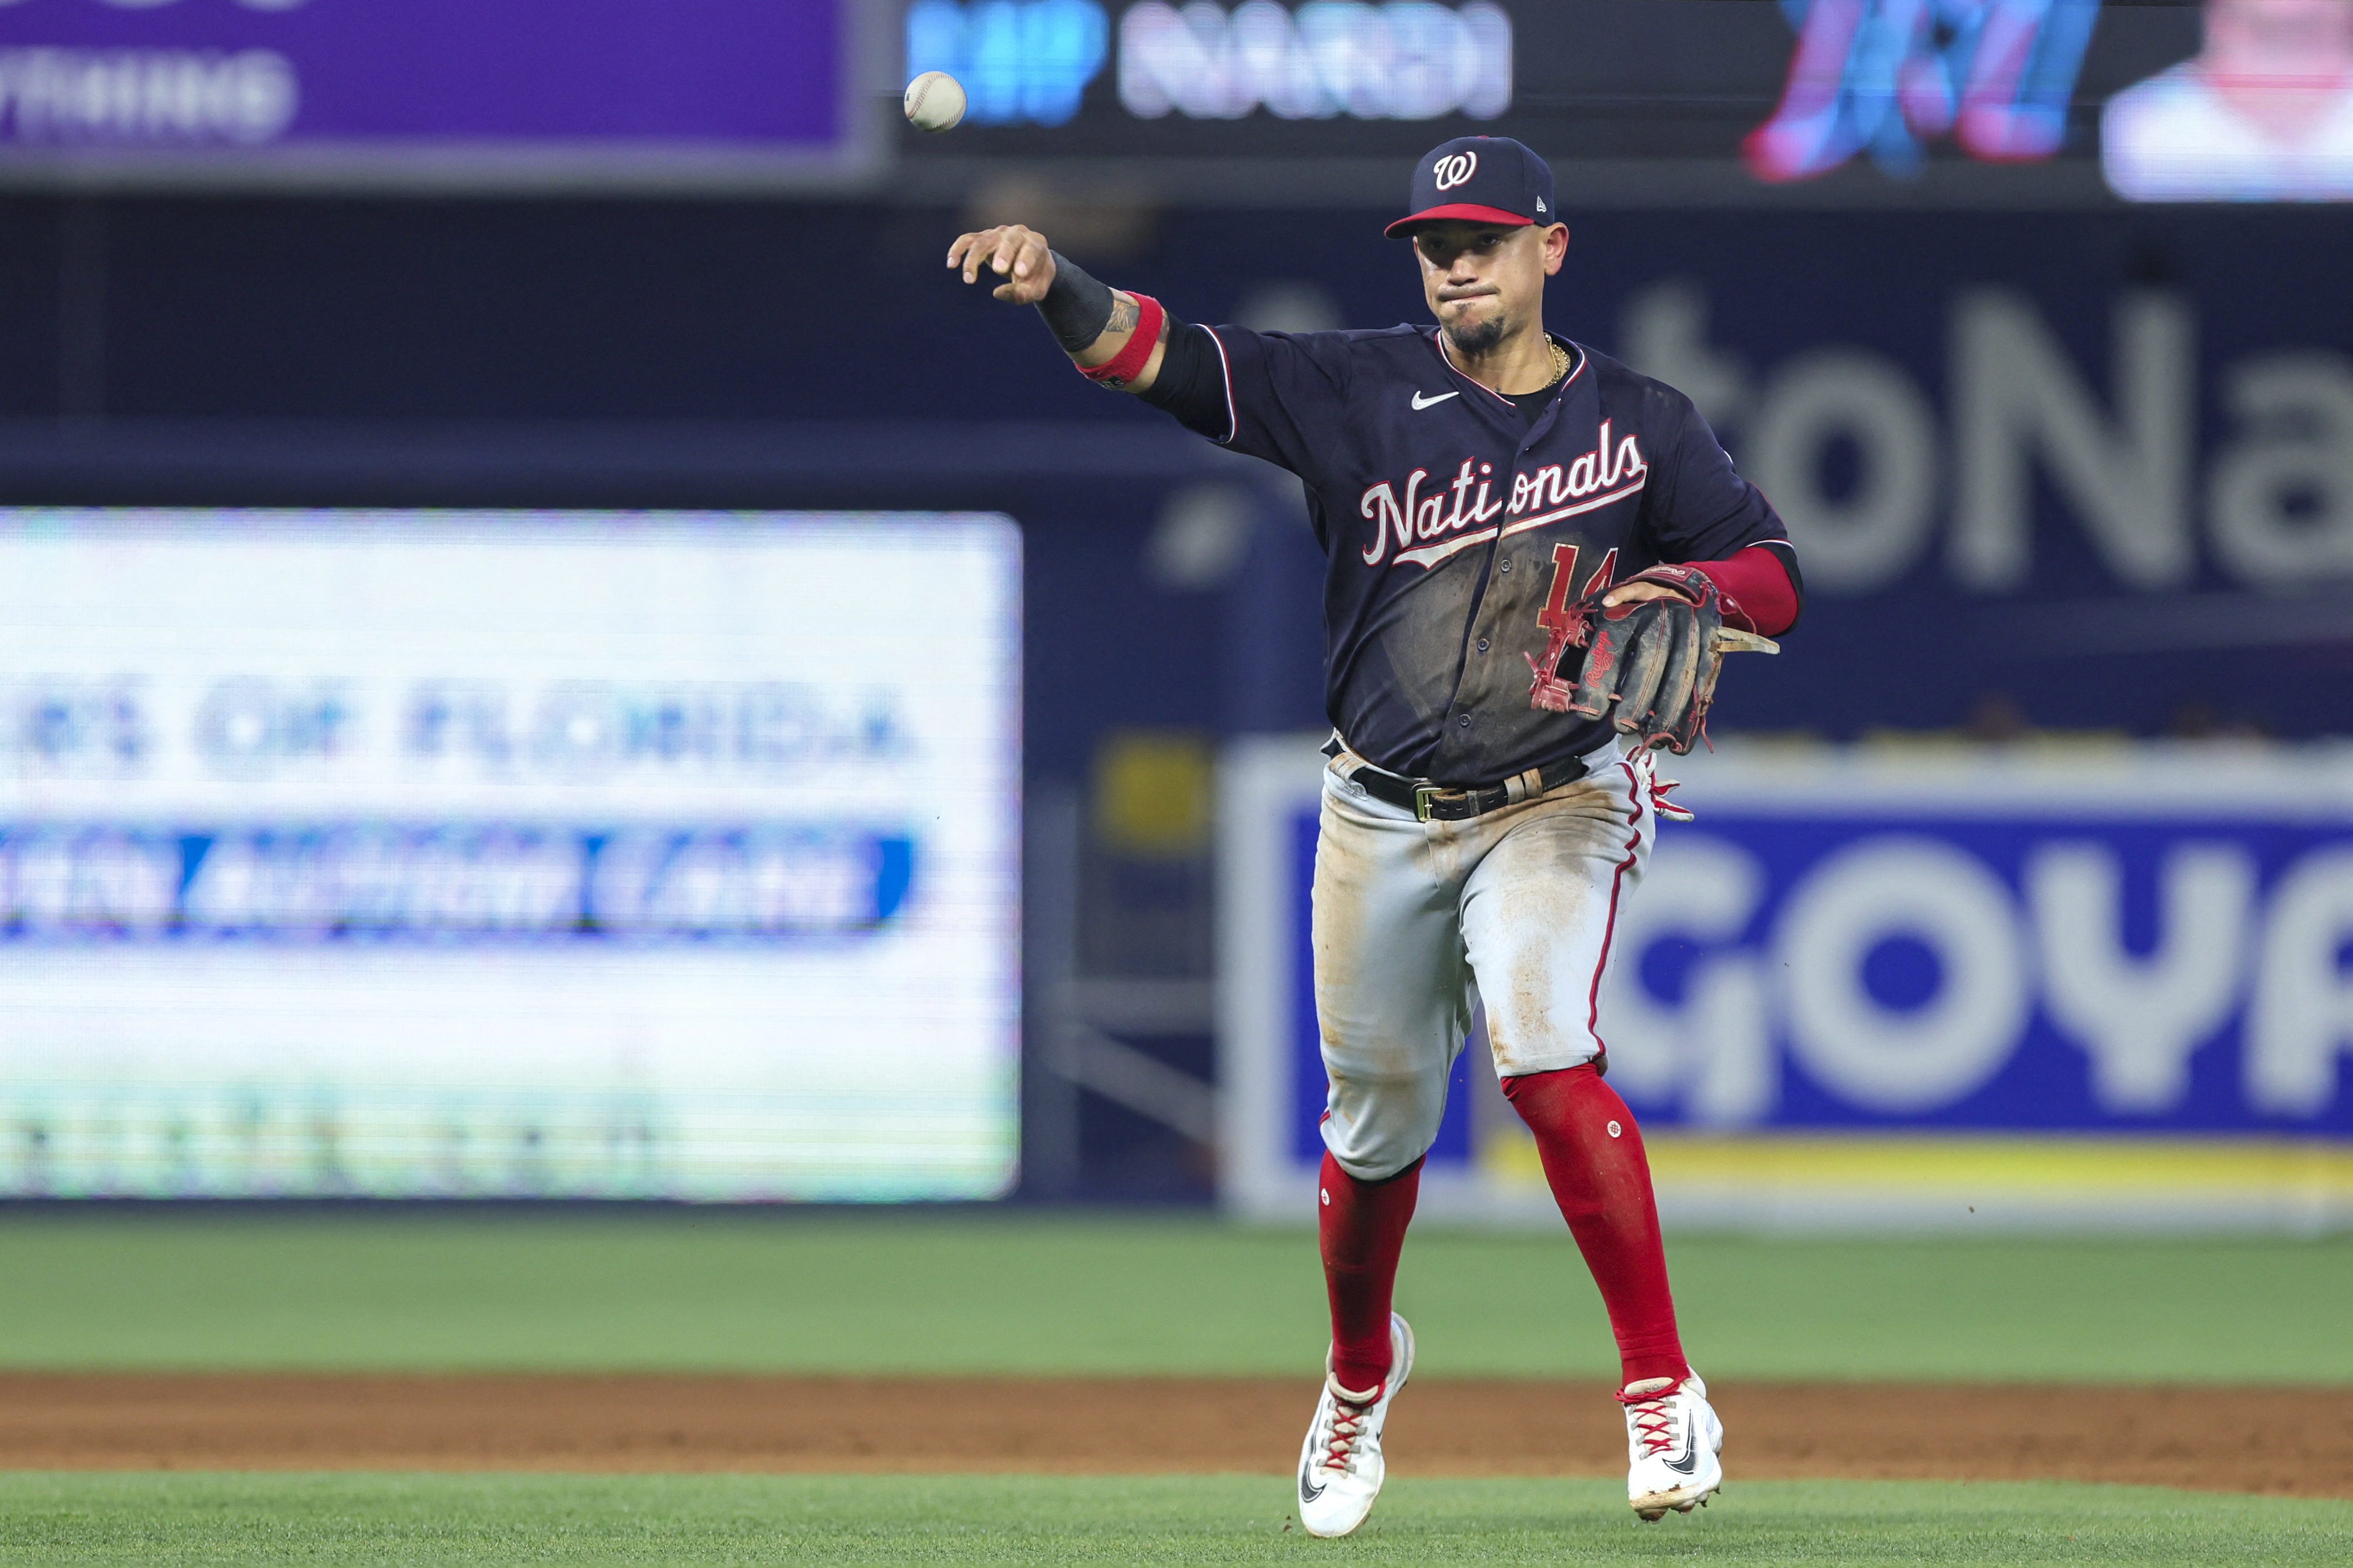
[(1926, 986)]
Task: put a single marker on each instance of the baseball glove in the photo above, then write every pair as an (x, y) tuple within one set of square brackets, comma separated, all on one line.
[(1657, 660)]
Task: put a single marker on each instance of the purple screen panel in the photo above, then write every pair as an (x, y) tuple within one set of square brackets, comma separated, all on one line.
[(753, 74)]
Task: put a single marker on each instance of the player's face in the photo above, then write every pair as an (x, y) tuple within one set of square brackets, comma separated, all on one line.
[(1486, 281)]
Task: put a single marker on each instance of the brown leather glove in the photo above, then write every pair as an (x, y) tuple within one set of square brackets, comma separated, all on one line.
[(1656, 659)]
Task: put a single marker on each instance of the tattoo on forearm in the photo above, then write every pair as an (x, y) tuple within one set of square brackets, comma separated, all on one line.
[(1124, 314)]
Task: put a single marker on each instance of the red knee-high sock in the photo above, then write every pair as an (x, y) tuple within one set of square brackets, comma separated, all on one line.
[(1593, 1160), (1362, 1227)]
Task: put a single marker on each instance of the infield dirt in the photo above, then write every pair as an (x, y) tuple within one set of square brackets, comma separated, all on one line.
[(2281, 1440)]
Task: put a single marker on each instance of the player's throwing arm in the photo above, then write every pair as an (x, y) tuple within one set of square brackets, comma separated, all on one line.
[(1116, 339)]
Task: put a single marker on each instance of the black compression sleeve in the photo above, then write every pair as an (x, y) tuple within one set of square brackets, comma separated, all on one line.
[(1192, 383), (1076, 306)]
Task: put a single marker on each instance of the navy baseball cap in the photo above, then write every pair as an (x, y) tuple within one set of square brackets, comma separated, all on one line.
[(1479, 179)]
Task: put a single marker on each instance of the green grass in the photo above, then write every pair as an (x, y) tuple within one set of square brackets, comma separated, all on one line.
[(1009, 1293), (66, 1520)]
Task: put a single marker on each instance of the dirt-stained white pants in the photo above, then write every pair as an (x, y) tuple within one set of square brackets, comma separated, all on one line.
[(1415, 923)]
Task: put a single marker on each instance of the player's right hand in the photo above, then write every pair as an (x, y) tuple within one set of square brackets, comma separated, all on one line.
[(1017, 254)]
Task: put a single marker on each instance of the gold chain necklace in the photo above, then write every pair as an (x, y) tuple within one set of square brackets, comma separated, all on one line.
[(1559, 354)]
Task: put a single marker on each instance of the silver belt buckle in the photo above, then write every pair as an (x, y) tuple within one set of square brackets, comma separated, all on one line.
[(1423, 795)]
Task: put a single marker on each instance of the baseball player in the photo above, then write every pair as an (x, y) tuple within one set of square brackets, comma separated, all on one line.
[(1534, 558)]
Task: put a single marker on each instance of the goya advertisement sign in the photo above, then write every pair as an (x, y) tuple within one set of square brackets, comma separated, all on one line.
[(1949, 984), (513, 855)]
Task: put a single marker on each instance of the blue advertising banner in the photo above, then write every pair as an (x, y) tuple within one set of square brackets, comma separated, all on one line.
[(2058, 971), (1911, 985)]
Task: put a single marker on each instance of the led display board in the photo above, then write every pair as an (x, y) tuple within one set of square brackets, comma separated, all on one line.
[(2233, 99), (437, 91), (508, 854)]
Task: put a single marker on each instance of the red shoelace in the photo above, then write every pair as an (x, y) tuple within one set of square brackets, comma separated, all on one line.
[(1347, 1425), (1653, 1420)]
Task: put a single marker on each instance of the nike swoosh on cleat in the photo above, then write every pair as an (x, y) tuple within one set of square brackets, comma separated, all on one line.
[(1306, 1492), (1690, 1461), (1420, 402)]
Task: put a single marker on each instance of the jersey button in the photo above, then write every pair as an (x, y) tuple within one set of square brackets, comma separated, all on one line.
[(1507, 568), (1482, 645), (1465, 721)]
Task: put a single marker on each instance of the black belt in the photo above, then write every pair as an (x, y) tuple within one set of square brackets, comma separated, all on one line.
[(1447, 803)]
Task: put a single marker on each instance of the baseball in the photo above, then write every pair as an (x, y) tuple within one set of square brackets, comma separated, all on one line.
[(935, 101)]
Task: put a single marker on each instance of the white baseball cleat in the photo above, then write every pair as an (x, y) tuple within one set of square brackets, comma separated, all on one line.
[(1672, 1438), (1340, 1467)]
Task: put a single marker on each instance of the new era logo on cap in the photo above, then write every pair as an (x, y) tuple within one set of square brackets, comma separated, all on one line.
[(1479, 179)]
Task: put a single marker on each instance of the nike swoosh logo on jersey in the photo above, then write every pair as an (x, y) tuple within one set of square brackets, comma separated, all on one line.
[(1690, 1461), (1420, 402)]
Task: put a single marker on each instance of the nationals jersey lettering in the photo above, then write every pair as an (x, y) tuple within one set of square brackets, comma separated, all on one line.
[(1459, 538), (1427, 517)]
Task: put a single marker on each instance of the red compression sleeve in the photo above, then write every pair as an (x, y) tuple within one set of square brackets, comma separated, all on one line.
[(1362, 1226), (1759, 596), (1593, 1160)]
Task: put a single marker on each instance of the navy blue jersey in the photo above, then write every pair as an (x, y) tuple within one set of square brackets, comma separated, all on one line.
[(1458, 534)]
